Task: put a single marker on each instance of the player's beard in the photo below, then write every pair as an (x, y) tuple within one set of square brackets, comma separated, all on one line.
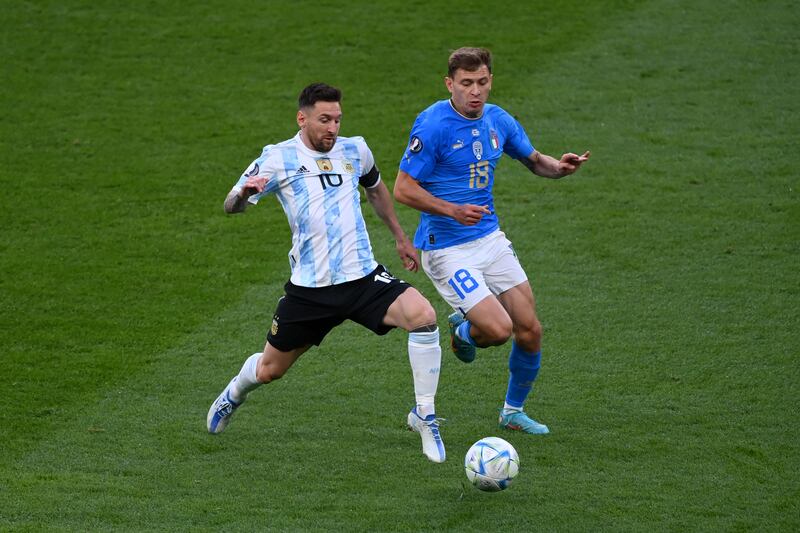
[(320, 144)]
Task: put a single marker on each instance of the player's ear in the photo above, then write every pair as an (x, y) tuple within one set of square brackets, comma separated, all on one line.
[(301, 118), (448, 82)]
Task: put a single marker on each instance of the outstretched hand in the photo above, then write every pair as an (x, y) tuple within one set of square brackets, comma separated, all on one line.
[(570, 162)]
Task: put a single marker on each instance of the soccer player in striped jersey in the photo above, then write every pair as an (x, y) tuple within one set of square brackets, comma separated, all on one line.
[(316, 177), (447, 173)]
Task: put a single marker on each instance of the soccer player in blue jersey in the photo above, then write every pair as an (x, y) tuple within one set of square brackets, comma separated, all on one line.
[(447, 173), (316, 177)]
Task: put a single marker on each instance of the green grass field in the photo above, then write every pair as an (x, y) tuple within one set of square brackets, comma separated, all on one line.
[(666, 272)]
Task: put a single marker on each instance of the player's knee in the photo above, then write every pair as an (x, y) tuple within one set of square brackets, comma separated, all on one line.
[(423, 314), (536, 330), (529, 336), (427, 315)]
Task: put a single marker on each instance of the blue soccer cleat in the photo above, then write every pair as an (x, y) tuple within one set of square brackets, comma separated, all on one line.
[(519, 421), (221, 410), (463, 350), (428, 428)]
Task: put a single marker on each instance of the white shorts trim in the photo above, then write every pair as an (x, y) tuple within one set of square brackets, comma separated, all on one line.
[(467, 273)]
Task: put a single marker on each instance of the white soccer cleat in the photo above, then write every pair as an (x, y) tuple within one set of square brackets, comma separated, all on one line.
[(221, 410), (428, 428)]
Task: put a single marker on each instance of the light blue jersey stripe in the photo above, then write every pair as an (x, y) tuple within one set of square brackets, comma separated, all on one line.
[(301, 216), (333, 231), (365, 258)]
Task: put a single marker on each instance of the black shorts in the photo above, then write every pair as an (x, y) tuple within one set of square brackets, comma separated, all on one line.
[(305, 314)]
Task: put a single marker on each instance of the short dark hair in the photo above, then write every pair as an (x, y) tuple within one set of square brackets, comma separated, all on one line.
[(318, 92), (469, 58)]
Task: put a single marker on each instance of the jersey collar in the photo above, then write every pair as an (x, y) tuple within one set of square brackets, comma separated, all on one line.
[(311, 151), (450, 101)]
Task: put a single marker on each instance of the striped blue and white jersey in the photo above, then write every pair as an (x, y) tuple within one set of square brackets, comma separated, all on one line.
[(319, 194)]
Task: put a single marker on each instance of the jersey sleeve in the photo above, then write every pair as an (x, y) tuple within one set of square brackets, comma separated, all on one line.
[(259, 167), (370, 174), (420, 157), (517, 144)]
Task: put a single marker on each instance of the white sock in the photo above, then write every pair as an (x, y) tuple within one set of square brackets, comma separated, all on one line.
[(425, 356), (247, 379), (507, 407)]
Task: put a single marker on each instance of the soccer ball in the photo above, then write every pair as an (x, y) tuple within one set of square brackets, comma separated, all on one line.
[(491, 464)]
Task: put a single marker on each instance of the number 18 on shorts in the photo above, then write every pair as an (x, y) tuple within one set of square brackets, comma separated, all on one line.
[(467, 273)]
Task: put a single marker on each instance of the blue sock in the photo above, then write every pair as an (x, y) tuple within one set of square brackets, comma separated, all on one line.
[(463, 332), (523, 367)]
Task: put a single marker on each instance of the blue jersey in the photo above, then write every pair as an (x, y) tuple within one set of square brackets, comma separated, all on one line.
[(453, 158)]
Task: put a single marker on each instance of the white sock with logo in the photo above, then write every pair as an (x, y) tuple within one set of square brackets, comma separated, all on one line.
[(425, 356), (247, 380)]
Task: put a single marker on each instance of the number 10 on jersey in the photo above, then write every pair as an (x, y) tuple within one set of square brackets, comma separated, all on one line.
[(462, 282)]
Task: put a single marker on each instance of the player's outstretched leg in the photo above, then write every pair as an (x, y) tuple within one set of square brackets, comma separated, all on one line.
[(222, 409), (463, 349), (428, 428)]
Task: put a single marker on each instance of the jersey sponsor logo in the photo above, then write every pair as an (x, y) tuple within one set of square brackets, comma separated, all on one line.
[(458, 144), (348, 166), (494, 139), (274, 328), (325, 165), (302, 170), (415, 146), (252, 171), (477, 149)]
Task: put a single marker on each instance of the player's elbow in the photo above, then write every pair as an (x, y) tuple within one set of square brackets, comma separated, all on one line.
[(233, 203), (400, 192)]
